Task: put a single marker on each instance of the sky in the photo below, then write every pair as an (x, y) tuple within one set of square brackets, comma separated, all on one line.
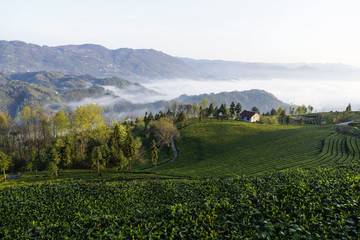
[(282, 31)]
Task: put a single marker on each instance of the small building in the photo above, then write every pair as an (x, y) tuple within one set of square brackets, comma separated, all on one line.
[(249, 116)]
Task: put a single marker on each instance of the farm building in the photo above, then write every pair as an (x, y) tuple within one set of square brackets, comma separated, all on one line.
[(249, 116)]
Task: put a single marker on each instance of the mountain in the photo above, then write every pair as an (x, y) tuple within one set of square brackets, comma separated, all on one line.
[(96, 60), (54, 90), (17, 94), (219, 69), (149, 64), (263, 100), (118, 97)]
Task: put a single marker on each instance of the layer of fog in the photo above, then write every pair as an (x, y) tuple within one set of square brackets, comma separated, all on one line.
[(135, 94), (323, 95)]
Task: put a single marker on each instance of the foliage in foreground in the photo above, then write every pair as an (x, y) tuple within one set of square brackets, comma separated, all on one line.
[(294, 204)]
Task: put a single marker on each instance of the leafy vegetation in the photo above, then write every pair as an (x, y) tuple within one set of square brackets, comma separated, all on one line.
[(320, 203), (232, 148)]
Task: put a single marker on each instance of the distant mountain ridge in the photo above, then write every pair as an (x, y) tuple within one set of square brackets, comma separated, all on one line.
[(96, 60), (145, 64)]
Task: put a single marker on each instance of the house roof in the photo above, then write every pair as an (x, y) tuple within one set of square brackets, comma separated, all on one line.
[(247, 114)]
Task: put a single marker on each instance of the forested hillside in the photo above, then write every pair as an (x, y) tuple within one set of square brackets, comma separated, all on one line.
[(54, 90)]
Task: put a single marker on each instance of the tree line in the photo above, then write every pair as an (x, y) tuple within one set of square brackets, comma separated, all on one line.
[(80, 139)]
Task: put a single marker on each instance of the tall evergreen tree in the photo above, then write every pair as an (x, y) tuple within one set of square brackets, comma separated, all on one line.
[(238, 109), (255, 109), (211, 110), (232, 109)]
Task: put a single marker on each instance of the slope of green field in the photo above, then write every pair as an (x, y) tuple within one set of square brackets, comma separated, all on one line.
[(231, 148), (338, 149)]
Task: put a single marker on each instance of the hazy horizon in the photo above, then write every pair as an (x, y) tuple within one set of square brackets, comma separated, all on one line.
[(324, 95), (251, 31)]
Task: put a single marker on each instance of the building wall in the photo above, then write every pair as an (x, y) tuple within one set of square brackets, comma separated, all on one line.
[(255, 118)]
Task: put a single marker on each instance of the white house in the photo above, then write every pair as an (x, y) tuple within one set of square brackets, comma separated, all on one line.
[(248, 116)]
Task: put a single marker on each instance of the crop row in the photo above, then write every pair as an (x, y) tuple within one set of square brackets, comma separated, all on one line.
[(313, 120), (294, 204), (244, 149), (337, 149)]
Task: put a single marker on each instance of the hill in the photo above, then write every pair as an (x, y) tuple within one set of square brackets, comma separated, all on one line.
[(57, 90), (117, 96), (17, 56), (263, 100), (231, 148)]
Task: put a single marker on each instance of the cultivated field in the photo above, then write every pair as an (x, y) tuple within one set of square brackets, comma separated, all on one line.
[(230, 149)]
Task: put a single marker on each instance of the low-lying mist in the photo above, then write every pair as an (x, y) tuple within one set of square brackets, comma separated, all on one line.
[(323, 95)]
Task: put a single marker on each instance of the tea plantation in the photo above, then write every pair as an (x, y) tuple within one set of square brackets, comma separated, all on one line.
[(232, 180), (230, 149), (321, 203)]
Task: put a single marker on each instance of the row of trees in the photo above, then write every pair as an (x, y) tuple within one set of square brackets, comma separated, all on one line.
[(79, 139)]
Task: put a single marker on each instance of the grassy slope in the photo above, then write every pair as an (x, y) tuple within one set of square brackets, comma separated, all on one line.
[(227, 149)]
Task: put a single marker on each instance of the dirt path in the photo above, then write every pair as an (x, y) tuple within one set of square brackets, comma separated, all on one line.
[(176, 154)]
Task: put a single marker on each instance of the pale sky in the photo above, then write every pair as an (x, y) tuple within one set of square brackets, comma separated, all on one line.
[(324, 31)]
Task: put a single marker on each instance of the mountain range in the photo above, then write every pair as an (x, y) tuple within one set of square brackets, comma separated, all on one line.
[(144, 64), (58, 90), (118, 97)]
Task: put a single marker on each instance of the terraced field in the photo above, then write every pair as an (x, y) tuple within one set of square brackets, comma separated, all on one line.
[(228, 149), (338, 149)]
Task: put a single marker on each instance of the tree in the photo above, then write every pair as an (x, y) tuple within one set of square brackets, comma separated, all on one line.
[(203, 103), (181, 118), (255, 109), (174, 107), (300, 110), (129, 149), (97, 159), (310, 108), (232, 109), (238, 109), (154, 153), (55, 157), (348, 108), (5, 163), (287, 119), (164, 130), (116, 145), (211, 110), (61, 123), (301, 122), (52, 169), (87, 123)]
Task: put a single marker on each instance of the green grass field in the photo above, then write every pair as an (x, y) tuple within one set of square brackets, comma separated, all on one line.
[(231, 148)]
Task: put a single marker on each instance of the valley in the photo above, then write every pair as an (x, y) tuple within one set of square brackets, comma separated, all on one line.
[(119, 144)]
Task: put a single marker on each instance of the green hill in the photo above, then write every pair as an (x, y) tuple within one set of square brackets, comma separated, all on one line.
[(263, 100), (47, 88), (229, 149)]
